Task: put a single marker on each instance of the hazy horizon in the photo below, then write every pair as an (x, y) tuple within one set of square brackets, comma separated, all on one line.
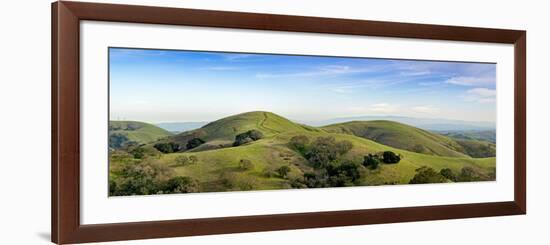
[(160, 86)]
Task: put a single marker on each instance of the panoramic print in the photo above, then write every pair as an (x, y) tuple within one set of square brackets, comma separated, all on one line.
[(200, 121)]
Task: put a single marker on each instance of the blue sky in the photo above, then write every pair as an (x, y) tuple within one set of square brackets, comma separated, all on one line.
[(181, 86)]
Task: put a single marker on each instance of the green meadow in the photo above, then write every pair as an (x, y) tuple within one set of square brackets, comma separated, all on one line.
[(264, 151)]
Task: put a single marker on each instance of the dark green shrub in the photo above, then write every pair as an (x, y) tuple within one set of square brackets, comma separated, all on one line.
[(283, 171), (371, 161), (448, 173), (299, 142), (427, 175), (325, 150), (345, 174), (248, 136), (144, 178), (181, 185), (194, 143), (118, 141), (390, 157), (469, 174), (138, 153), (169, 147)]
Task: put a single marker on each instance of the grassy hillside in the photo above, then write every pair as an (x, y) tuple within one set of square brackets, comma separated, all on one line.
[(478, 148), (221, 133), (123, 132), (482, 135), (221, 168), (401, 136)]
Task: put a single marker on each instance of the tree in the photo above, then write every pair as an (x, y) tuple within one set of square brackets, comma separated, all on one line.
[(117, 140), (345, 174), (255, 134), (283, 171), (193, 159), (112, 187), (448, 173), (169, 147), (343, 146), (183, 160), (144, 178), (390, 157), (248, 136), (194, 142), (181, 184), (371, 161), (470, 174), (138, 152), (427, 175), (325, 150), (299, 142), (245, 164)]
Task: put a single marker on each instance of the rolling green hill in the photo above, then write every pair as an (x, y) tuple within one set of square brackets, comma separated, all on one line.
[(478, 148), (122, 133), (401, 136), (221, 133), (218, 164)]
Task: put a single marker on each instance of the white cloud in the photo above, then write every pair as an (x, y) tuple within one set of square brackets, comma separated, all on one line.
[(378, 108), (327, 70), (415, 73), (481, 95), (383, 108), (471, 81), (425, 109)]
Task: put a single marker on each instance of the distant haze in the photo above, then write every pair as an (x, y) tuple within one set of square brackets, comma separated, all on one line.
[(159, 86), (423, 123)]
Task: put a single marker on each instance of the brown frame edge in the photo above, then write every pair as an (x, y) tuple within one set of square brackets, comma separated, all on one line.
[(65, 175)]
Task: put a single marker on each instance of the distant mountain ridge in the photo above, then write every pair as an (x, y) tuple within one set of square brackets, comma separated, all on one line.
[(178, 127), (433, 124)]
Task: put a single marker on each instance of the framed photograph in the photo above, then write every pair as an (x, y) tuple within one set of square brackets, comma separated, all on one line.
[(177, 122)]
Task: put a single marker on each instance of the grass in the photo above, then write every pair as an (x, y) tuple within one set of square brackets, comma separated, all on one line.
[(410, 138), (216, 167), (139, 132)]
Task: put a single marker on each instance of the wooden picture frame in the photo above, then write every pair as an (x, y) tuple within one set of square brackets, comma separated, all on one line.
[(66, 226)]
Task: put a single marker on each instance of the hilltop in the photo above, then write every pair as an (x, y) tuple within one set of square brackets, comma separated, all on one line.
[(221, 133), (122, 133), (401, 136)]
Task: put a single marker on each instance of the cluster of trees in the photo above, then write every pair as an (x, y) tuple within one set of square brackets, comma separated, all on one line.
[(373, 160), (237, 181), (347, 173), (247, 137), (429, 175), (325, 156), (194, 142), (149, 177), (321, 152), (169, 147), (120, 141)]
